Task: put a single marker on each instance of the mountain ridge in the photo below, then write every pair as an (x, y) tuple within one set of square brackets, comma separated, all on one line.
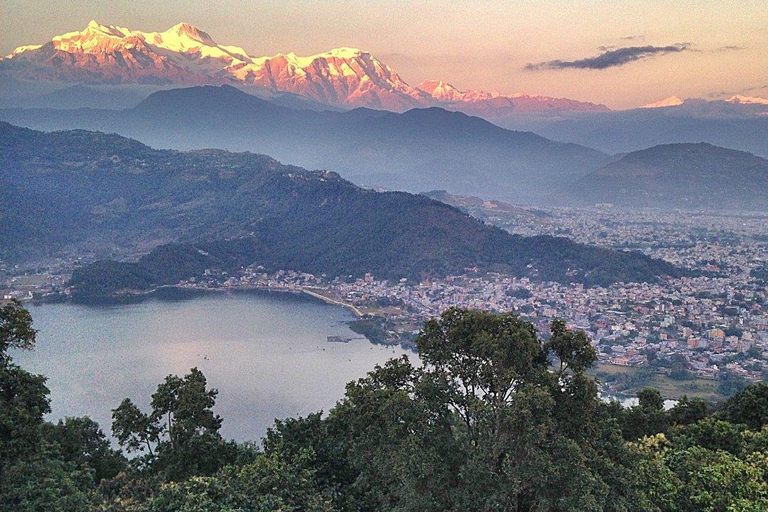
[(418, 150), (112, 195), (186, 55), (688, 175)]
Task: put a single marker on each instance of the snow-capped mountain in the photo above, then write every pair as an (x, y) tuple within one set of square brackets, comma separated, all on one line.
[(672, 101), (493, 105), (109, 54), (344, 77), (185, 55), (747, 100), (443, 91)]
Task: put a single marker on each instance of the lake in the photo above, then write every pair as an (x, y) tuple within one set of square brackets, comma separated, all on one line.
[(267, 353)]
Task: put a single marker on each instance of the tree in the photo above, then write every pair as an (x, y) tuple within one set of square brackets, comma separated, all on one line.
[(481, 425), (15, 329), (41, 482), (481, 358), (81, 441), (180, 437), (650, 399), (134, 430), (712, 434), (749, 406), (647, 418), (267, 484), (23, 403), (32, 476), (688, 410), (715, 480), (23, 396)]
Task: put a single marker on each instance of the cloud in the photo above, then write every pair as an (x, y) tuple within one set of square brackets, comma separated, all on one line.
[(729, 48), (611, 58)]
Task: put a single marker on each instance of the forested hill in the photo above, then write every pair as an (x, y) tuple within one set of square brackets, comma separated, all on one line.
[(75, 189), (694, 176)]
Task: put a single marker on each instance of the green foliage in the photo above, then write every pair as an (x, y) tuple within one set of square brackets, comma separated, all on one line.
[(268, 484), (133, 429), (23, 396), (650, 399), (42, 467), (180, 437), (712, 434), (81, 442), (687, 411), (23, 402), (494, 418), (482, 425), (15, 329), (44, 483), (749, 407), (714, 480)]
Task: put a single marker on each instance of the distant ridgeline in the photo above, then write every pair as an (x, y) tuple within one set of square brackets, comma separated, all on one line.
[(422, 149), (687, 176), (105, 193)]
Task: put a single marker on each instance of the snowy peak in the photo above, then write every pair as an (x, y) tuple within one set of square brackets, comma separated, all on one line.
[(747, 100), (187, 31), (492, 104), (441, 90), (93, 39), (94, 27), (343, 76), (672, 101), (341, 53), (185, 55), (183, 38)]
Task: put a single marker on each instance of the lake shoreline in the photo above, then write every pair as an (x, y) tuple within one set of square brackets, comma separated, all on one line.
[(270, 353), (175, 292)]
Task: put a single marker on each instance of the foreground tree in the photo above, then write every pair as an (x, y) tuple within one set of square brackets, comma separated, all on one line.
[(33, 474), (484, 424), (180, 436), (15, 329), (80, 441), (23, 396), (269, 483), (494, 418), (749, 407)]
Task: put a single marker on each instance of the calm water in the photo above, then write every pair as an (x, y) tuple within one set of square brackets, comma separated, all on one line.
[(267, 354)]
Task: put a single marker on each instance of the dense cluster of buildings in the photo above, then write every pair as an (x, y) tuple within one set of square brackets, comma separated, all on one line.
[(713, 323)]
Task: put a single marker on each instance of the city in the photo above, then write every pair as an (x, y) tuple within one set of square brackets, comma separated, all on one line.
[(712, 324)]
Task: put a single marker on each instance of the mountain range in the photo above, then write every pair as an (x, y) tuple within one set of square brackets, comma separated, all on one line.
[(421, 149), (185, 55), (686, 176), (75, 191), (737, 122)]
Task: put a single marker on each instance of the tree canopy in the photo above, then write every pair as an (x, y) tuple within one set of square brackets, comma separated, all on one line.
[(494, 416)]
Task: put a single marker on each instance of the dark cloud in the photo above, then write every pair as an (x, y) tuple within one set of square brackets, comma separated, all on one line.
[(729, 48), (611, 58), (633, 38)]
